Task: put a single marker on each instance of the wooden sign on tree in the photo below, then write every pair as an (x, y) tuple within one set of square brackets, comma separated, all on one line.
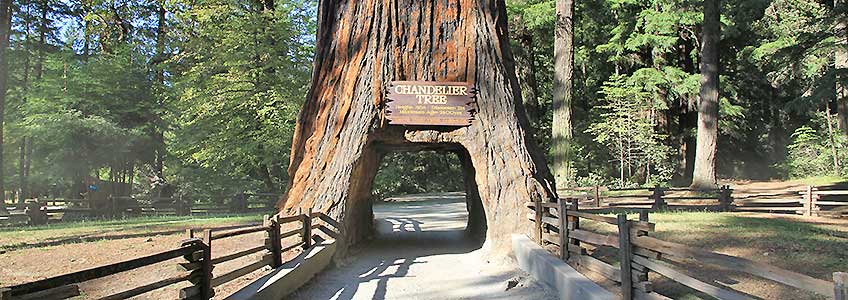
[(430, 103), (364, 46)]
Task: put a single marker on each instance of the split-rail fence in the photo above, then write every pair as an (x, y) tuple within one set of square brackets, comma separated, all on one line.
[(196, 264), (828, 201), (638, 254)]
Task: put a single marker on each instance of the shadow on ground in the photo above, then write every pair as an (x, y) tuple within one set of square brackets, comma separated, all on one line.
[(421, 251)]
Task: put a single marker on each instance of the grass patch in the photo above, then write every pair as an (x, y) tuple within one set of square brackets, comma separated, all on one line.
[(815, 249), (822, 180), (29, 234)]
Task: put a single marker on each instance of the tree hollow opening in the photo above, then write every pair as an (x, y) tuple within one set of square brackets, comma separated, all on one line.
[(424, 196)]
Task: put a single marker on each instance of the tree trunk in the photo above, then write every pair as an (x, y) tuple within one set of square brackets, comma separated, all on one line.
[(563, 83), (5, 28), (267, 179), (704, 175), (86, 46), (525, 65), (159, 129), (832, 139), (22, 180), (842, 64), (42, 40), (364, 45), (687, 117)]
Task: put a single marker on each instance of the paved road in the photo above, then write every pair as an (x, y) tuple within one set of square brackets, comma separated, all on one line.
[(421, 252)]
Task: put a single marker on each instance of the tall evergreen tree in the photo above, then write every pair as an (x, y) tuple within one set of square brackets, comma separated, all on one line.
[(563, 94), (704, 175), (5, 29)]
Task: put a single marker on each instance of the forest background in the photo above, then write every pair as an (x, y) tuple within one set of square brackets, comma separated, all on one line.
[(200, 98)]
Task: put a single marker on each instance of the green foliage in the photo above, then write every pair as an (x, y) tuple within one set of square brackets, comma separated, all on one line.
[(422, 172), (225, 80), (237, 105), (626, 128), (71, 143), (812, 151)]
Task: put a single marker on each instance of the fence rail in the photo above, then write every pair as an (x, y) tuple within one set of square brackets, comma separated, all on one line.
[(639, 254), (41, 211), (810, 201), (197, 265)]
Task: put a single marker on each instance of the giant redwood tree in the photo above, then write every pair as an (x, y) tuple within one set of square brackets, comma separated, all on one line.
[(341, 135)]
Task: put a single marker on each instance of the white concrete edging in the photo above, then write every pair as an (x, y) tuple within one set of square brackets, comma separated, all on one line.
[(568, 283), (291, 276)]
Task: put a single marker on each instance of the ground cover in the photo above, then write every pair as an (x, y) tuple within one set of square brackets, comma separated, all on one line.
[(112, 241), (18, 236)]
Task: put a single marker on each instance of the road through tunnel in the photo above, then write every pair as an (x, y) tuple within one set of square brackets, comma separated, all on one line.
[(419, 194)]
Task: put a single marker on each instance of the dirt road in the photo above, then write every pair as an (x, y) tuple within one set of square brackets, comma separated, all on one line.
[(421, 252)]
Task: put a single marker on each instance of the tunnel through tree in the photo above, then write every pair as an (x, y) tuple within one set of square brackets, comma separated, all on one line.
[(364, 46)]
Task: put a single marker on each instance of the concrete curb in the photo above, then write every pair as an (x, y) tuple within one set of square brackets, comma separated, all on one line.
[(291, 276), (568, 283)]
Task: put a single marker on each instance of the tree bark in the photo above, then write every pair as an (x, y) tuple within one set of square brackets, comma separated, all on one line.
[(704, 175), (5, 28), (563, 83), (525, 65), (338, 143), (841, 56)]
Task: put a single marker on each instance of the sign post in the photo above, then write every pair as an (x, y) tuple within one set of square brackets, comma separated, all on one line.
[(430, 103)]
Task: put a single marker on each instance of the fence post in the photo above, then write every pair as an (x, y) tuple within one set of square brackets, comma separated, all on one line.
[(814, 199), (307, 228), (200, 267), (574, 224), (563, 229), (840, 286), (724, 198), (597, 196), (206, 291), (274, 244), (625, 251), (537, 220), (808, 201), (657, 196), (643, 216)]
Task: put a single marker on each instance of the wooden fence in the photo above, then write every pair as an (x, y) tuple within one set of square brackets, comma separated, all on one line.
[(811, 201), (61, 209), (598, 197), (197, 265), (639, 254)]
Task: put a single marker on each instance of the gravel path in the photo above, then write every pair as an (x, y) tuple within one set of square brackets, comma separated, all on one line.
[(421, 252)]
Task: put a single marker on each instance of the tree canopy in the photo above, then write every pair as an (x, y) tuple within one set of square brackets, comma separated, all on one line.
[(203, 96)]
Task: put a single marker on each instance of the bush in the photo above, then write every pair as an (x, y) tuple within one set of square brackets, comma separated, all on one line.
[(812, 151)]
